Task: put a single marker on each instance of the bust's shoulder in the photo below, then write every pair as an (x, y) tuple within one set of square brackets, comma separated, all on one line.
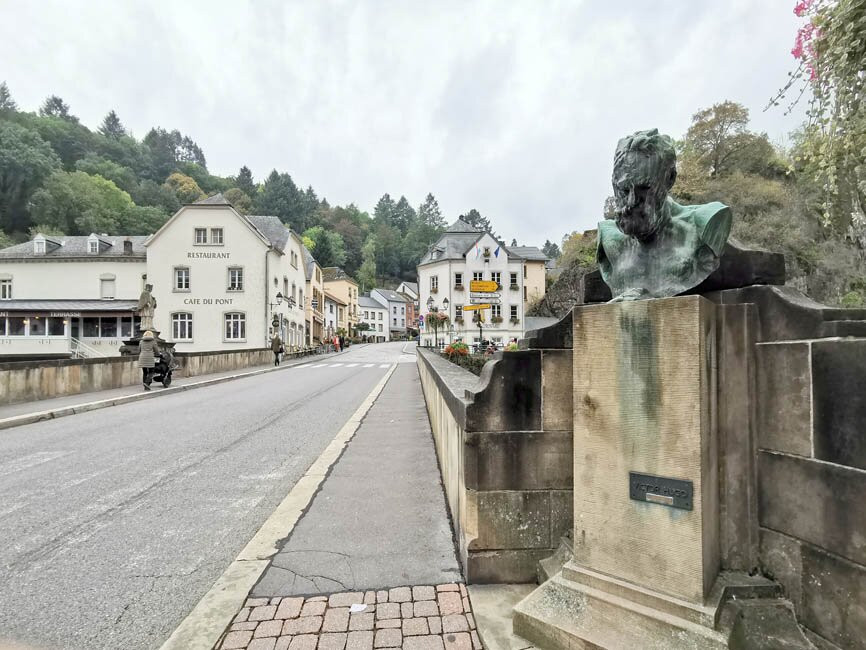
[(711, 221)]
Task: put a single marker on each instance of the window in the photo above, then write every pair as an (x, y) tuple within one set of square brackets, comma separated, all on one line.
[(380, 317), (93, 246), (285, 286), (108, 327), (524, 270), (181, 278), (301, 298), (181, 327), (294, 259), (37, 326), (6, 289), (458, 311), (434, 283), (366, 315), (17, 325), (458, 279), (477, 275), (216, 236), (56, 326), (125, 326), (496, 276), (107, 288), (236, 326), (201, 235), (513, 279), (395, 322), (39, 246), (495, 310), (318, 276), (394, 307), (524, 292), (331, 307), (380, 325), (514, 311), (236, 279), (403, 310), (90, 327)]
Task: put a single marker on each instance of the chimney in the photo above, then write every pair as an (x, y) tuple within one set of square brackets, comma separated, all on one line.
[(127, 246)]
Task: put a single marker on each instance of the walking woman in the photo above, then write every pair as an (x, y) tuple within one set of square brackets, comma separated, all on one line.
[(277, 348), (148, 348)]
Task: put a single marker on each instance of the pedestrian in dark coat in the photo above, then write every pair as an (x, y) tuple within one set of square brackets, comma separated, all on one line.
[(148, 348), (277, 348)]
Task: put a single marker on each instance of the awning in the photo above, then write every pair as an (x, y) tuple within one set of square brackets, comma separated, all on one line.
[(68, 305)]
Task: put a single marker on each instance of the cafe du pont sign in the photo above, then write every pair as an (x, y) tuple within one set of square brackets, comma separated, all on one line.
[(671, 492)]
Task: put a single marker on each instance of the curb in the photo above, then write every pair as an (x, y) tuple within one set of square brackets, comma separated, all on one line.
[(75, 409)]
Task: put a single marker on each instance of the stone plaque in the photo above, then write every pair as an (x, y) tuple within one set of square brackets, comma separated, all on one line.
[(671, 492)]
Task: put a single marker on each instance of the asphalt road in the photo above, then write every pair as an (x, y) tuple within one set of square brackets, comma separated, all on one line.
[(114, 523)]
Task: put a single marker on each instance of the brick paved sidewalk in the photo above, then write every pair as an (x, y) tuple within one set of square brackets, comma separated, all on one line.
[(415, 618)]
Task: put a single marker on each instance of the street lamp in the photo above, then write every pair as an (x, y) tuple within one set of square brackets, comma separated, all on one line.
[(279, 300)]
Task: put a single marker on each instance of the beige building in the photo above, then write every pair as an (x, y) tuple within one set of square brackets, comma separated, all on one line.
[(340, 285), (315, 300)]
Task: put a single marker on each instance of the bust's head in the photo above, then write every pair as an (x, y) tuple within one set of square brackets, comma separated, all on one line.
[(148, 287), (644, 169)]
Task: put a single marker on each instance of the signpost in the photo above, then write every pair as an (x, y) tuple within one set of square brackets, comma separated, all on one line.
[(483, 286), (475, 307)]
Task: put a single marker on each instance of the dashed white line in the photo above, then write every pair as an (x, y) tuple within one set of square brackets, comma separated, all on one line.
[(335, 365), (369, 365), (384, 365), (351, 365)]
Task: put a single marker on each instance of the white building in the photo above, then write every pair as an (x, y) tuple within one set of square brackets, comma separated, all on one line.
[(336, 318), (64, 296), (375, 315), (396, 304), (463, 254), (225, 281)]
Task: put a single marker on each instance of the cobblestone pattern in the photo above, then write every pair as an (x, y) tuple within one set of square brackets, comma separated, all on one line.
[(415, 618)]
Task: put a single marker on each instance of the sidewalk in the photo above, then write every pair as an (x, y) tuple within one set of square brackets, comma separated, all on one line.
[(67, 401), (372, 562)]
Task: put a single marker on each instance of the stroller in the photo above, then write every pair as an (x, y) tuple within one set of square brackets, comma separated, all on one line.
[(165, 365)]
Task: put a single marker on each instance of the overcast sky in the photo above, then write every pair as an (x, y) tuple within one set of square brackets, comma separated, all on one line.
[(513, 108)]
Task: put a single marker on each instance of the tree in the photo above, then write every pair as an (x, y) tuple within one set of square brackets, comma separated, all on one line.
[(153, 194), (367, 272), (69, 139), (719, 133), (141, 220), (327, 247), (184, 187), (123, 177), (239, 200), (7, 104), (209, 183), (78, 204), (404, 216), (111, 126), (26, 160), (550, 249), (474, 218), (609, 210), (189, 151), (163, 152), (383, 213), (430, 214), (514, 242), (245, 183), (279, 197), (54, 106)]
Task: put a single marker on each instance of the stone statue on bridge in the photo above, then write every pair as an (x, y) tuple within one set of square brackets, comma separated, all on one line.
[(146, 307), (656, 247)]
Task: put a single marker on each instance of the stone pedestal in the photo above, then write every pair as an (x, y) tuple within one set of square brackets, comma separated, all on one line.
[(646, 565)]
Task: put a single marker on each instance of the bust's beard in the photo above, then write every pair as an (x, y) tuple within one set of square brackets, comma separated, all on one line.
[(642, 222)]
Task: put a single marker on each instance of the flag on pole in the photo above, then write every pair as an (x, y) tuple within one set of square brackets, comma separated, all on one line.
[(477, 251), (496, 252)]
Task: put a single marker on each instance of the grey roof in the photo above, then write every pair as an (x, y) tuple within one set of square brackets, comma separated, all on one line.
[(526, 253), (309, 262), (413, 286), (68, 305), (391, 296), (272, 229), (462, 226), (76, 246), (451, 246), (331, 273), (216, 199), (367, 301)]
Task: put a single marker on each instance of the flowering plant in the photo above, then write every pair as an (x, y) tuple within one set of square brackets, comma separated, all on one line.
[(457, 350)]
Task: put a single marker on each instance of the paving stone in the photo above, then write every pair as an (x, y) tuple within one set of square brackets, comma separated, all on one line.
[(426, 608), (336, 620), (332, 641), (303, 625), (388, 610), (454, 623), (275, 601), (345, 599), (406, 610), (450, 603), (463, 591), (476, 641), (388, 638), (304, 642), (389, 622), (268, 628), (435, 624), (459, 641), (381, 596), (423, 593), (370, 597), (399, 594), (263, 613), (429, 642), (283, 643), (289, 608), (246, 625), (314, 608), (471, 619), (262, 644), (359, 640), (361, 622), (236, 640), (466, 606), (318, 599), (256, 602), (415, 626), (242, 616), (452, 586)]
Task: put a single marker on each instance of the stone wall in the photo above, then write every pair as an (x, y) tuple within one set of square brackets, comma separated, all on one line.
[(504, 444), (25, 381), (812, 481)]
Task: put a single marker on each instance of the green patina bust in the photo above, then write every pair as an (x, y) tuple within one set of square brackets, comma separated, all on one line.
[(656, 247)]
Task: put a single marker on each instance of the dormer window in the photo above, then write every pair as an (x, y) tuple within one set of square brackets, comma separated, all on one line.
[(39, 245), (92, 245)]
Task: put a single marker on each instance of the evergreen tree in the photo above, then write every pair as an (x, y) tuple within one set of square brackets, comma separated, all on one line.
[(474, 218), (111, 126), (514, 242), (367, 272), (383, 213), (550, 249), (404, 216), (56, 107), (7, 104), (279, 197), (245, 183), (429, 213)]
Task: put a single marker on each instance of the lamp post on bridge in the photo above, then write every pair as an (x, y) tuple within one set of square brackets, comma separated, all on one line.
[(433, 316)]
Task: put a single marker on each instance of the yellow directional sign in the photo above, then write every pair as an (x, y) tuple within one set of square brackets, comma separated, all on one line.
[(483, 286), (475, 307)]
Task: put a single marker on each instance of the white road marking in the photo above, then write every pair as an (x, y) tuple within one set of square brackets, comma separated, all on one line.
[(369, 365), (304, 365), (320, 365), (31, 460), (336, 365), (351, 365), (213, 613), (384, 365)]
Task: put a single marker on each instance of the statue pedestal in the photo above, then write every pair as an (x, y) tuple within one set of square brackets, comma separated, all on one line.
[(130, 346), (646, 566)]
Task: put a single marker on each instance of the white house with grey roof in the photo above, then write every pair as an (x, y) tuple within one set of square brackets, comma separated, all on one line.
[(225, 281), (375, 315), (465, 253), (395, 303)]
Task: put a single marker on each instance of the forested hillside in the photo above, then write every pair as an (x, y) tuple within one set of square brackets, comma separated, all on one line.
[(59, 177)]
